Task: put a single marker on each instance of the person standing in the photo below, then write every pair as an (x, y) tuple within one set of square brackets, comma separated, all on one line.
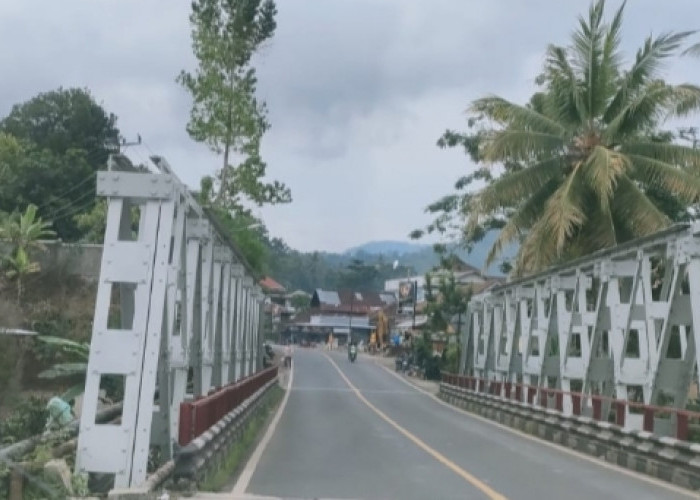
[(288, 356)]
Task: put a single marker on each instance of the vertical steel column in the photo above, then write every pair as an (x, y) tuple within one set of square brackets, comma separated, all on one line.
[(127, 350), (182, 305), (247, 305), (222, 331), (237, 273), (257, 296)]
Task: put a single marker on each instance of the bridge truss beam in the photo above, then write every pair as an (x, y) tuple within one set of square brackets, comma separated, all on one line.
[(622, 323), (172, 298)]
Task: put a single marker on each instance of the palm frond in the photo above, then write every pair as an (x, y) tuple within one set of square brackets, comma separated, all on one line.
[(635, 211), (645, 68), (523, 219), (61, 342), (693, 50), (73, 392), (675, 154), (602, 169), (520, 145), (564, 211), (685, 99), (510, 189), (507, 113), (537, 251), (675, 180), (639, 113), (564, 99), (611, 45), (588, 53), (64, 370), (598, 232)]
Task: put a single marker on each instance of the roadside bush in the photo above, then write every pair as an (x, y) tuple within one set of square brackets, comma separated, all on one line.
[(450, 358), (432, 368), (28, 419)]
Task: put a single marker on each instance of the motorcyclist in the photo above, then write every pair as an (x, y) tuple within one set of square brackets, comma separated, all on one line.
[(352, 350)]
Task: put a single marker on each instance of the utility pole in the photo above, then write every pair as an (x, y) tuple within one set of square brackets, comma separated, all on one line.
[(352, 303), (115, 148), (415, 302)]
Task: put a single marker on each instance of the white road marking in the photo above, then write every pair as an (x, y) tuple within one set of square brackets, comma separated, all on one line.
[(582, 456), (245, 477), (477, 483)]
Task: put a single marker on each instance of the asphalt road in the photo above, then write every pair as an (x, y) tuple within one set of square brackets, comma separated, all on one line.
[(369, 435)]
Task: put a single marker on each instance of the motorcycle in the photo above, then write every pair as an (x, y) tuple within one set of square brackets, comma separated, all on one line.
[(352, 353)]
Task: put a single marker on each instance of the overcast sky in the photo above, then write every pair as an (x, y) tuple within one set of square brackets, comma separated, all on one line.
[(358, 90)]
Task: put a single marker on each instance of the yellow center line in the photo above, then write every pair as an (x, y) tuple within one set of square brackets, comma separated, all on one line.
[(470, 478)]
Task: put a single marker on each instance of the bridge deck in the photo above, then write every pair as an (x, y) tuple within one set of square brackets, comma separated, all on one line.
[(357, 431)]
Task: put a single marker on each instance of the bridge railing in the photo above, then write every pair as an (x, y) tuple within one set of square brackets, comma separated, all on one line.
[(622, 324), (591, 405), (177, 312), (199, 415)]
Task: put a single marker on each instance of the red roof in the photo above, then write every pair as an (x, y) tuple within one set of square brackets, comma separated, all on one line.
[(270, 285)]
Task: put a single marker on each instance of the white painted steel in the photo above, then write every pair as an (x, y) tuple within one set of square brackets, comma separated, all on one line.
[(599, 325), (184, 301)]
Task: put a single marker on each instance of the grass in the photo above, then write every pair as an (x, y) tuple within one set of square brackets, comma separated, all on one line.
[(218, 478)]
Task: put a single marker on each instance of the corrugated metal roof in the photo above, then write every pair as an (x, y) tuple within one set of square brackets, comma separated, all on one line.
[(341, 320), (328, 297)]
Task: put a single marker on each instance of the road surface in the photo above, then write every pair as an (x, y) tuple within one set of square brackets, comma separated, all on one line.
[(357, 431)]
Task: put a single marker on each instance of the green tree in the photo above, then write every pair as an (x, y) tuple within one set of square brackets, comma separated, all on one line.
[(444, 300), (50, 148), (247, 234), (301, 302), (585, 166), (226, 114), (62, 120)]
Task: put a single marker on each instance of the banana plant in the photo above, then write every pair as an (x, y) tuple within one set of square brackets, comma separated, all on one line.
[(78, 353), (25, 232), (18, 267)]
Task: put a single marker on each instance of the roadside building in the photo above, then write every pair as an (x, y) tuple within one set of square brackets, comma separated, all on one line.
[(338, 314)]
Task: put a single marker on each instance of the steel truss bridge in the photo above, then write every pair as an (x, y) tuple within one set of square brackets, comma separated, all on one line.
[(173, 297), (619, 326)]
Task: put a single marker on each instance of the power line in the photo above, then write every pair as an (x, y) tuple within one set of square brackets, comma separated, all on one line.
[(69, 191), (60, 213)]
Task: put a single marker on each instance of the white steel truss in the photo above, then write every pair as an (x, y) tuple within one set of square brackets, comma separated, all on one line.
[(173, 298), (622, 323)]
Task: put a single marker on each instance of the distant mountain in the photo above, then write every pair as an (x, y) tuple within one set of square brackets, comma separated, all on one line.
[(387, 248), (422, 258)]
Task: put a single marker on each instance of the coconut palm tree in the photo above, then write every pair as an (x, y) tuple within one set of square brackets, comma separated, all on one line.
[(587, 144)]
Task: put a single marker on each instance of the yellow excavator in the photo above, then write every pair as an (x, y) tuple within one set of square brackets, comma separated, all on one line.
[(380, 334)]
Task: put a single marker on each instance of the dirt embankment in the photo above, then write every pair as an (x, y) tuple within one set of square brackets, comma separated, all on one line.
[(52, 303)]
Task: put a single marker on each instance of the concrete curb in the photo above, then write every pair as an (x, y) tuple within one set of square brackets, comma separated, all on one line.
[(665, 458)]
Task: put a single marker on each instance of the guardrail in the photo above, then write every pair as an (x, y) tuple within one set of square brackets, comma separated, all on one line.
[(580, 404), (206, 451), (197, 416), (663, 457)]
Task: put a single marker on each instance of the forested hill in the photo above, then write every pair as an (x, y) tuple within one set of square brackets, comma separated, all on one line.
[(363, 267)]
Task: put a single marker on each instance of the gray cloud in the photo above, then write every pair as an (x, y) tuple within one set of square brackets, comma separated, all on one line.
[(358, 90)]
